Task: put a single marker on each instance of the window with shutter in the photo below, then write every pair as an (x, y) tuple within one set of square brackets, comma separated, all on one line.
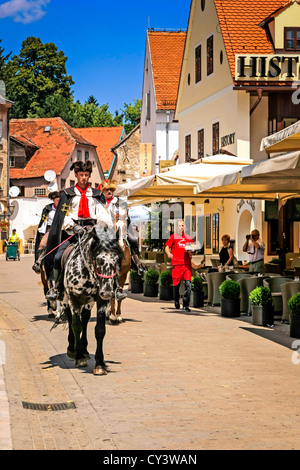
[(198, 64), (201, 143), (216, 138), (210, 55)]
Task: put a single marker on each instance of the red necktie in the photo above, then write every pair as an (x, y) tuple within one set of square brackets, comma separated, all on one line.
[(83, 211), (108, 201)]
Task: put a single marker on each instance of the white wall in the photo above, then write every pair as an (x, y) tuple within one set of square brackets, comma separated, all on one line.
[(27, 215)]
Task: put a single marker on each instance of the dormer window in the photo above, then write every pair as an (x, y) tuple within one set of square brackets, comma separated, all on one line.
[(292, 39)]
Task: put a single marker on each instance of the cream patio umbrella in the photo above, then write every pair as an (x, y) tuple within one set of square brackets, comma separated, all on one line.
[(277, 177), (180, 181)]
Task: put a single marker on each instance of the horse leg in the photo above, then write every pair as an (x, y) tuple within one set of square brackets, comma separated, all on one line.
[(100, 330), (122, 281), (71, 338), (86, 315), (112, 314), (80, 360)]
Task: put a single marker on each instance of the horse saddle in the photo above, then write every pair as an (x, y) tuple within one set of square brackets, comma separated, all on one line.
[(66, 255)]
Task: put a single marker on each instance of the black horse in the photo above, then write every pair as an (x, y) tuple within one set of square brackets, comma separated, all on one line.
[(91, 273)]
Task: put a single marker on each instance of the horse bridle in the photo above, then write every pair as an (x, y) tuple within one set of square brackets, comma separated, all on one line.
[(102, 276)]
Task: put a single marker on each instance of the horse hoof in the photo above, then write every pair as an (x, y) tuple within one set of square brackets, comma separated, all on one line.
[(120, 319), (51, 315), (81, 363), (71, 354), (99, 370)]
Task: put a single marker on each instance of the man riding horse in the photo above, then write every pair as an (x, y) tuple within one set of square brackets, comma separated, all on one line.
[(44, 229), (118, 211), (79, 209)]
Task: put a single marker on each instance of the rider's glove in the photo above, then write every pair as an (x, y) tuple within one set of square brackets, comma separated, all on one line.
[(78, 230)]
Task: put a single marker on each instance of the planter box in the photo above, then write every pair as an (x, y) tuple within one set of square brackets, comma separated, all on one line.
[(295, 326), (166, 293), (151, 290), (197, 299), (262, 315), (137, 287), (230, 308)]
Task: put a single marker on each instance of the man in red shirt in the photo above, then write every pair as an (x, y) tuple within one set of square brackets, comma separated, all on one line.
[(181, 263)]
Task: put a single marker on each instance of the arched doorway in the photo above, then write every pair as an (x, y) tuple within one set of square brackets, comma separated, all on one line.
[(245, 227)]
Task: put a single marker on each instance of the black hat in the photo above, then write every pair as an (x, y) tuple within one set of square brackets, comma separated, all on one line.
[(54, 195), (82, 166)]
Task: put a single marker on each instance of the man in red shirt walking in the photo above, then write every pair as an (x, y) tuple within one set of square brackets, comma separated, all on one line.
[(181, 263)]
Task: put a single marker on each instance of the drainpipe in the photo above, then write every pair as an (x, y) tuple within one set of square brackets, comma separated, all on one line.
[(259, 94), (167, 135)]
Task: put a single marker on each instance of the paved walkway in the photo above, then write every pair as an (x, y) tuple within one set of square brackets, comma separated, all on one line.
[(177, 381)]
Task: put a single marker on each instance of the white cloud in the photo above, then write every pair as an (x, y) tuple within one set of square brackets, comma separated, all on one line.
[(23, 11)]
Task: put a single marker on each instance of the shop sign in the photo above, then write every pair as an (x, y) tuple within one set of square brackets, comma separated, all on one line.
[(166, 164), (145, 159), (227, 140), (259, 67)]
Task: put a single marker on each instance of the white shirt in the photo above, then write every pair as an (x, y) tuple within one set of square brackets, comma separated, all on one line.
[(256, 254), (48, 222), (97, 211), (113, 207)]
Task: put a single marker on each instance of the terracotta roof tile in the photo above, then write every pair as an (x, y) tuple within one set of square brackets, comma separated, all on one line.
[(166, 50), (104, 138), (54, 147), (239, 22)]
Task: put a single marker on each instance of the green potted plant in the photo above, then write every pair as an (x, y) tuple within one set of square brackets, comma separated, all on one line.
[(151, 283), (137, 282), (230, 299), (197, 297), (166, 286), (261, 306), (294, 306)]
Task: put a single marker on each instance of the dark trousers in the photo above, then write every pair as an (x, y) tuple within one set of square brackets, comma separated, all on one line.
[(186, 296)]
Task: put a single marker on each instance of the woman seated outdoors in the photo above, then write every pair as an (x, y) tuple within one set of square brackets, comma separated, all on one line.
[(226, 253)]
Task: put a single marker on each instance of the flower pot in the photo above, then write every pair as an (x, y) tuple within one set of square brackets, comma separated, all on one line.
[(230, 307), (262, 315), (197, 299), (137, 286), (151, 290), (166, 292), (295, 326)]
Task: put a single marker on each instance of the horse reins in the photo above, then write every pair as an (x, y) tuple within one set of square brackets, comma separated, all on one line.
[(57, 246)]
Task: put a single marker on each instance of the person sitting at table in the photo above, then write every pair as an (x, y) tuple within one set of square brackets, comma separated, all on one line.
[(226, 253)]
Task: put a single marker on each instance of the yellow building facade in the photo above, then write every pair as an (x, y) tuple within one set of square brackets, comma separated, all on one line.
[(238, 81)]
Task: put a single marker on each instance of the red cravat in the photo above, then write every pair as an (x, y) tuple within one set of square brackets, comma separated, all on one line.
[(108, 201), (83, 211)]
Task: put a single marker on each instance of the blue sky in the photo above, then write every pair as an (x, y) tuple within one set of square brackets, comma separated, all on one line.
[(103, 40)]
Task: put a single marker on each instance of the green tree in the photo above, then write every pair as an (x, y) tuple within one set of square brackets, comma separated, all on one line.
[(39, 71), (132, 113)]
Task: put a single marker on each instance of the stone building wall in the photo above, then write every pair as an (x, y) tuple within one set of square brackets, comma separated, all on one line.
[(128, 157)]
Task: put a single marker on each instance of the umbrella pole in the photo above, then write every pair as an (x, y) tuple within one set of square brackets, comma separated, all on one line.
[(282, 231)]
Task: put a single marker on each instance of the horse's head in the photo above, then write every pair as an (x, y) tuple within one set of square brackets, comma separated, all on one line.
[(107, 256)]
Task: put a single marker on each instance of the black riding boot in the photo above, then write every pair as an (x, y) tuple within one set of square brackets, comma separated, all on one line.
[(37, 265)]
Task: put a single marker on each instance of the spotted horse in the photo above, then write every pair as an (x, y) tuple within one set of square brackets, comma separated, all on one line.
[(91, 274)]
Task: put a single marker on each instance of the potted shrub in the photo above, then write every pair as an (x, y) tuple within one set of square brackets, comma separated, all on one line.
[(150, 284), (230, 299), (137, 282), (166, 286), (261, 306), (197, 297), (294, 306)]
